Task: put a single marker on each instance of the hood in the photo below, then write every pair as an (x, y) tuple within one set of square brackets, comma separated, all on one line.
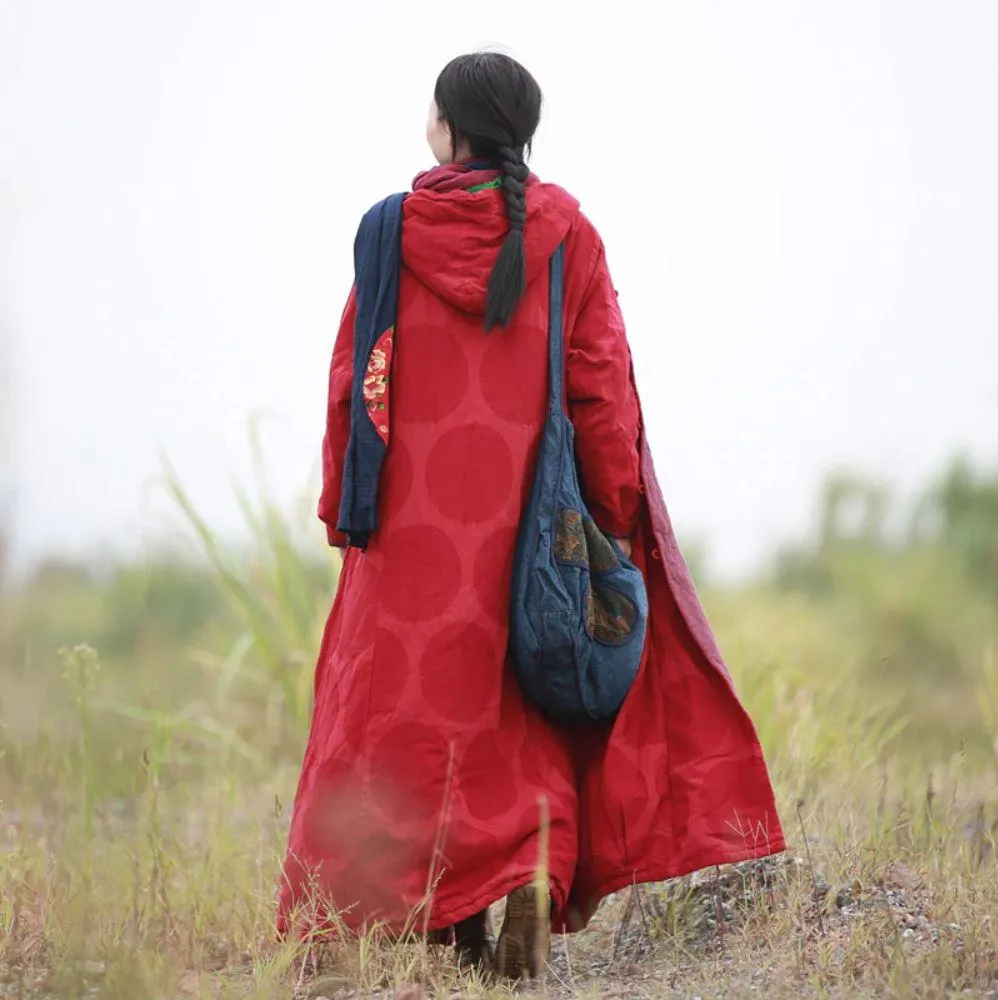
[(451, 238)]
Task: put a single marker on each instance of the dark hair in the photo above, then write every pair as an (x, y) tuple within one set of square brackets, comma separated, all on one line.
[(492, 103)]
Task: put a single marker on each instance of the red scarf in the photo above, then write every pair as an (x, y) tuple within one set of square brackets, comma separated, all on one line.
[(457, 176)]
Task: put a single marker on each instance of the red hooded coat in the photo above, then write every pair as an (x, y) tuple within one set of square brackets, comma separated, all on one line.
[(428, 783)]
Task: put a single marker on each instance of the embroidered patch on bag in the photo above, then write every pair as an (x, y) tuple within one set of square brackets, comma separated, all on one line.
[(610, 616), (376, 383), (570, 539), (602, 558)]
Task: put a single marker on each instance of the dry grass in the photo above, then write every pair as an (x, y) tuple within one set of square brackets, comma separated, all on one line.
[(168, 890), (143, 806)]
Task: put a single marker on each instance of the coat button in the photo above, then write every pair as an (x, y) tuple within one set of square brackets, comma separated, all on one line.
[(656, 555)]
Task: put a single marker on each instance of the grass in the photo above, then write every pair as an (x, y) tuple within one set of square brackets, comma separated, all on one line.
[(145, 781)]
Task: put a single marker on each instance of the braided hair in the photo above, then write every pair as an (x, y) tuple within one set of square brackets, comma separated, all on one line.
[(491, 102)]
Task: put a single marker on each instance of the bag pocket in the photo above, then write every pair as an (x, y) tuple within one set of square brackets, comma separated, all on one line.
[(610, 617)]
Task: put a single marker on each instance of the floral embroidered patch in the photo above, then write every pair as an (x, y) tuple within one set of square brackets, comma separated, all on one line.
[(610, 616), (376, 395), (570, 539), (602, 558)]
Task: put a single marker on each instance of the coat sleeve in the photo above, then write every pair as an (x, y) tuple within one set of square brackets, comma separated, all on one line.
[(337, 436), (603, 406)]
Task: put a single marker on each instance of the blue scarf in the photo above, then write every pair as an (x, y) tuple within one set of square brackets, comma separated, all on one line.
[(377, 257), (377, 260)]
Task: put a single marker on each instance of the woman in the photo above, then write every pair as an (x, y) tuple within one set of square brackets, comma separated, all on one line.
[(430, 788)]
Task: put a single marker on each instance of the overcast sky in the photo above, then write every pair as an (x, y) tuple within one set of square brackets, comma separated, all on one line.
[(798, 198)]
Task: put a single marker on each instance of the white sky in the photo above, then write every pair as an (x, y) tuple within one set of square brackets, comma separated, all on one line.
[(799, 201)]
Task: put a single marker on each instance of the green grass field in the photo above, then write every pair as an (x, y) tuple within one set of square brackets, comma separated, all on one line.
[(152, 718)]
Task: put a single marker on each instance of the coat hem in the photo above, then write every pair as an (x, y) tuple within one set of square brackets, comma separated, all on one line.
[(660, 873), (443, 917)]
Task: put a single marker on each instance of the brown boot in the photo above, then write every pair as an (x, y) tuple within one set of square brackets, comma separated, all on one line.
[(525, 940)]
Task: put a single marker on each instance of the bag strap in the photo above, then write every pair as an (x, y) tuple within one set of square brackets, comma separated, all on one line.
[(556, 335)]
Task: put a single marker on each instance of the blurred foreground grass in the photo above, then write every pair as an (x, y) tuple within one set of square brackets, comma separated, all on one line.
[(152, 719)]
